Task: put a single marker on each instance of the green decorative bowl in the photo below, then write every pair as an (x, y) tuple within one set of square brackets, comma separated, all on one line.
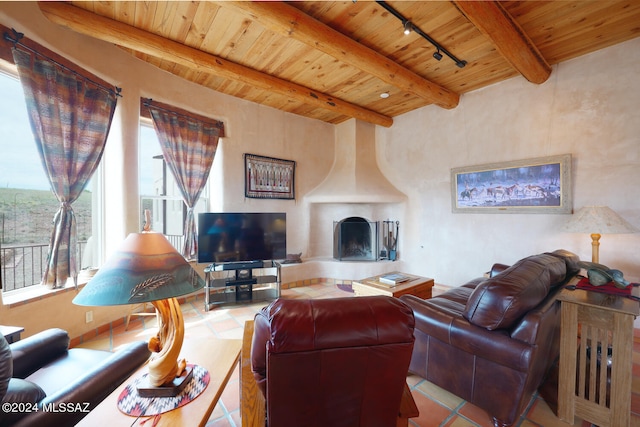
[(598, 277), (618, 279)]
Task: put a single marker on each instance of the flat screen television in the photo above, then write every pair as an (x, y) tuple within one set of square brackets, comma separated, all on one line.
[(241, 237)]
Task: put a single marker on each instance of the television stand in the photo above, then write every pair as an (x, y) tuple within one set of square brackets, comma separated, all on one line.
[(250, 281)]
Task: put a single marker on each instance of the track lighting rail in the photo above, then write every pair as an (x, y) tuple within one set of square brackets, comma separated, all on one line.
[(408, 25)]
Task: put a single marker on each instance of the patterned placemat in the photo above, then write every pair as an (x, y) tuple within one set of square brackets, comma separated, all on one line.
[(130, 403), (608, 288)]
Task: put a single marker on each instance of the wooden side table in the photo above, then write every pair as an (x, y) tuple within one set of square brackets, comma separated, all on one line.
[(594, 325), (417, 285), (252, 403), (11, 333), (218, 356)]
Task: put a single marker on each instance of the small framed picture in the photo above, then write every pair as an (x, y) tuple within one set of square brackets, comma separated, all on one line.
[(268, 177)]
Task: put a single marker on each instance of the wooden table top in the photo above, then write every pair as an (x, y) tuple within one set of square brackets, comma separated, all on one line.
[(8, 330), (412, 282), (218, 356), (604, 301)]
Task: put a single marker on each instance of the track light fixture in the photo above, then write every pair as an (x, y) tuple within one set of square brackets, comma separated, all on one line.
[(408, 27), (461, 64)]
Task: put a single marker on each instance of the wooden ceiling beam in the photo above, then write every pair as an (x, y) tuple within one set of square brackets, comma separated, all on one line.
[(109, 30), (493, 20), (286, 20)]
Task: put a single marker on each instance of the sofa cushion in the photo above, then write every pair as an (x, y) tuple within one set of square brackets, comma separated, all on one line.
[(76, 364), (571, 260), (498, 302), (453, 301)]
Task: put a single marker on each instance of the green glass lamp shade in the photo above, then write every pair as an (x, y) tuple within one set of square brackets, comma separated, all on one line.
[(145, 268)]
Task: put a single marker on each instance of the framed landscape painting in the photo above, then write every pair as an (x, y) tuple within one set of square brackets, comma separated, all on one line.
[(541, 185), (268, 178)]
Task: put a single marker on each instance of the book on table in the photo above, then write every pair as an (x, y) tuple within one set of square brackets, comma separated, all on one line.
[(393, 278)]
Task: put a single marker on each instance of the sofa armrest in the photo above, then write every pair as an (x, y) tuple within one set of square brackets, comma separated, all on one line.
[(88, 391), (497, 268), (98, 383), (31, 353), (453, 329)]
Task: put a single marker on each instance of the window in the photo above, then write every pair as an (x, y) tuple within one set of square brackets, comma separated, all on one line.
[(159, 192), (27, 205)]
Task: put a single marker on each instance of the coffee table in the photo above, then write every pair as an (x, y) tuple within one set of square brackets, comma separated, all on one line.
[(218, 356), (416, 285)]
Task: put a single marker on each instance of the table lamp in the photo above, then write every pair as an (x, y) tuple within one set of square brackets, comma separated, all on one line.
[(147, 268), (598, 220)]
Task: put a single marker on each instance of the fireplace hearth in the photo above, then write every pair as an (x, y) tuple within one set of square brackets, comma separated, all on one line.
[(355, 239)]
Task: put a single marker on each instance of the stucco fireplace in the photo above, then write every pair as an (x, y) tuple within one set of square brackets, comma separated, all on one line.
[(355, 187)]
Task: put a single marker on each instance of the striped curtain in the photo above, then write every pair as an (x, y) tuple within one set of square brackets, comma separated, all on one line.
[(70, 118), (189, 144)]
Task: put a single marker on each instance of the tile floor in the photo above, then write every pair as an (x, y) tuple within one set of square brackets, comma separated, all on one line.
[(437, 406)]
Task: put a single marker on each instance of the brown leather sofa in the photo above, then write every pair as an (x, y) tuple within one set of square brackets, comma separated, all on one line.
[(331, 362), (42, 370), (493, 340)]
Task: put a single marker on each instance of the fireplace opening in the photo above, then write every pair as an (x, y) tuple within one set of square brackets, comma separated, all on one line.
[(355, 239)]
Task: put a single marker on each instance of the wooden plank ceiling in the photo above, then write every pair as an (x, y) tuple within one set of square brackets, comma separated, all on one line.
[(331, 60)]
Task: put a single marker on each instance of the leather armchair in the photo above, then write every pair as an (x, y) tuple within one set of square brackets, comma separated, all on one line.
[(331, 362), (42, 370)]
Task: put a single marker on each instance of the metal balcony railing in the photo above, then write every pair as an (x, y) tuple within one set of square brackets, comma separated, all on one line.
[(177, 241), (23, 265)]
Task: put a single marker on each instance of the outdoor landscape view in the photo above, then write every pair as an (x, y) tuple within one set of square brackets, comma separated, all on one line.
[(26, 216), (27, 204)]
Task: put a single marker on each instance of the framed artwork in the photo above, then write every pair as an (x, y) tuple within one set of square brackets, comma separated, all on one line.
[(268, 178), (541, 185)]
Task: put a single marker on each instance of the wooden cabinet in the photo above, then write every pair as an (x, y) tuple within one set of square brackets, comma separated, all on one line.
[(596, 350)]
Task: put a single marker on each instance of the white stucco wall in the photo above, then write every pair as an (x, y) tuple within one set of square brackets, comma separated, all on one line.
[(589, 107)]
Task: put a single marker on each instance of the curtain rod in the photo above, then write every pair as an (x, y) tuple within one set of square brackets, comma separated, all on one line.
[(148, 102), (16, 42)]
